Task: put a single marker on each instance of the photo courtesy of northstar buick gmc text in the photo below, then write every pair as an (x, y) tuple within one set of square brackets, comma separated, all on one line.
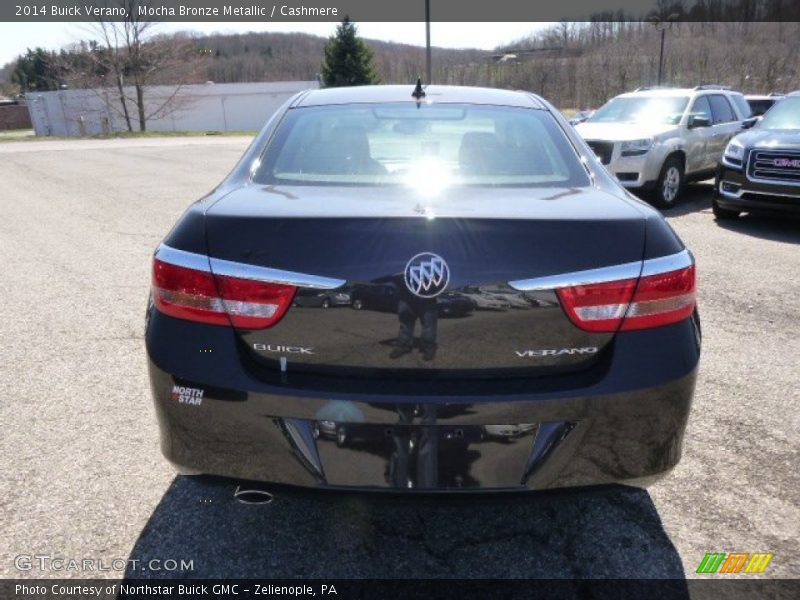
[(422, 289)]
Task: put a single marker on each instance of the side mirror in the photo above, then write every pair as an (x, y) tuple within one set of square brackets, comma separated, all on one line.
[(697, 121), (751, 122)]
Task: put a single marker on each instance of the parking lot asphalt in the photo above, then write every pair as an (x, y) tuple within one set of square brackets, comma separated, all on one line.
[(81, 475)]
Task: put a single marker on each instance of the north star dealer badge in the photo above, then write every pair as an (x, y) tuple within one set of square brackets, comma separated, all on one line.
[(187, 395)]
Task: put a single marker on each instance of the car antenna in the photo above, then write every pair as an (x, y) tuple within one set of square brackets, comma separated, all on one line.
[(418, 94)]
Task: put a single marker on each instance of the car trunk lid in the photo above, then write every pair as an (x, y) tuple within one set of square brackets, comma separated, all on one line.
[(363, 241)]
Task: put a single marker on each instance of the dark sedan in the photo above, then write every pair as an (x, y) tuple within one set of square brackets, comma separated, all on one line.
[(760, 169), (417, 195)]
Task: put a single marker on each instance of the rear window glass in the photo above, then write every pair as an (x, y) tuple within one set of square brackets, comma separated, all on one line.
[(397, 144)]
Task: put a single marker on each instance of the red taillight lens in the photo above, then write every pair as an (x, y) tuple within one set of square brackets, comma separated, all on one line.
[(187, 294), (199, 296), (625, 305), (662, 299), (599, 306), (254, 304)]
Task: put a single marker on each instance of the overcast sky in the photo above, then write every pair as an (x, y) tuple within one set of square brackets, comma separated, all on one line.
[(16, 37)]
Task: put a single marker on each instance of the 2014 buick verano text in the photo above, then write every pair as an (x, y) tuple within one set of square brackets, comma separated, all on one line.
[(516, 319)]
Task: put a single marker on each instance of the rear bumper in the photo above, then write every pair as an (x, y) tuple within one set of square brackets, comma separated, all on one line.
[(733, 190), (625, 428)]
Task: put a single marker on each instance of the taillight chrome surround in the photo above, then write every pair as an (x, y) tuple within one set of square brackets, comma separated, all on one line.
[(199, 288), (635, 295)]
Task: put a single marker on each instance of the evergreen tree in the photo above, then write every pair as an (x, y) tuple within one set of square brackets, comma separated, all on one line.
[(34, 71), (348, 60)]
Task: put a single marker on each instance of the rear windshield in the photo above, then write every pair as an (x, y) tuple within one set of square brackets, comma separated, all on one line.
[(433, 144)]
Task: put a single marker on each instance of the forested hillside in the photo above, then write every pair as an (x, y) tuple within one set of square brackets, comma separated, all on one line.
[(572, 64)]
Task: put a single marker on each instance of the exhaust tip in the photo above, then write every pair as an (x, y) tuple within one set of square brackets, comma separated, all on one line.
[(252, 496)]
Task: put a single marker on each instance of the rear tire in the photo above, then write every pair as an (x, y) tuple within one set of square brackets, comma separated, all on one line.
[(670, 183), (358, 304), (723, 214), (326, 303)]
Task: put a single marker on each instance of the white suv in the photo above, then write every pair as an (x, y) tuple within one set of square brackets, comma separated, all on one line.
[(657, 139)]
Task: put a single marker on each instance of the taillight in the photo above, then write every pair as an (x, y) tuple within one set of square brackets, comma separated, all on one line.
[(200, 296), (625, 305), (598, 306), (662, 299)]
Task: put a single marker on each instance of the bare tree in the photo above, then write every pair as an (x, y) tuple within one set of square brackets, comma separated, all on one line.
[(131, 55)]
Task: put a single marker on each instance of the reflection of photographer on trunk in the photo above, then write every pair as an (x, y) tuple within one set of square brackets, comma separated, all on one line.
[(421, 442), (409, 309)]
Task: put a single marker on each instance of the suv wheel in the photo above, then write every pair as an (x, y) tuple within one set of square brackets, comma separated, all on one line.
[(722, 214), (670, 183)]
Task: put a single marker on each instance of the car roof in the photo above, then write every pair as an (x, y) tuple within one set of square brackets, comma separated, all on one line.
[(762, 97), (450, 94), (676, 92)]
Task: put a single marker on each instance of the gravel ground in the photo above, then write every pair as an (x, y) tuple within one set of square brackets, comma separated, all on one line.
[(81, 475)]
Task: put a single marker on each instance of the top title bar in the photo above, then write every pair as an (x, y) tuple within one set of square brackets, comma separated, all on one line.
[(397, 11)]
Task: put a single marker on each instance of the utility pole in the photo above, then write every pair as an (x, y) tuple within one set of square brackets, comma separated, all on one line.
[(661, 26), (428, 41)]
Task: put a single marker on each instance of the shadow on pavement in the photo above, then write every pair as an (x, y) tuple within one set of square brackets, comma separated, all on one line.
[(603, 533), (778, 228), (696, 198), (784, 228)]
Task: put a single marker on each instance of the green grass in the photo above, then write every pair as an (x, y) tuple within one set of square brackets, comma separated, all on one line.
[(24, 135)]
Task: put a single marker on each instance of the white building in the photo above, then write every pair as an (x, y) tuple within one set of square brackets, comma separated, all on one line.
[(205, 107)]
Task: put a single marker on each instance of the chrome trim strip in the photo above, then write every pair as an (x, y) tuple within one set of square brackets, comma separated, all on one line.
[(229, 268), (665, 264), (550, 282), (653, 266), (182, 258), (267, 275), (785, 182), (742, 192)]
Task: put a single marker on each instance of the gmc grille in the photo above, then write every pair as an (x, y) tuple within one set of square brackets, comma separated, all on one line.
[(779, 166), (603, 150)]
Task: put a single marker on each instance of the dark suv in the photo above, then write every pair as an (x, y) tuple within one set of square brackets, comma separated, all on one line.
[(760, 168)]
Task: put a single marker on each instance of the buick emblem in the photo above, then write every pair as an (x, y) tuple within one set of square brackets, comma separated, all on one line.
[(427, 275)]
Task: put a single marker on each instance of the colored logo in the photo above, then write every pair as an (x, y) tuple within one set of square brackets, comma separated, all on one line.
[(427, 275), (734, 562), (793, 163)]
